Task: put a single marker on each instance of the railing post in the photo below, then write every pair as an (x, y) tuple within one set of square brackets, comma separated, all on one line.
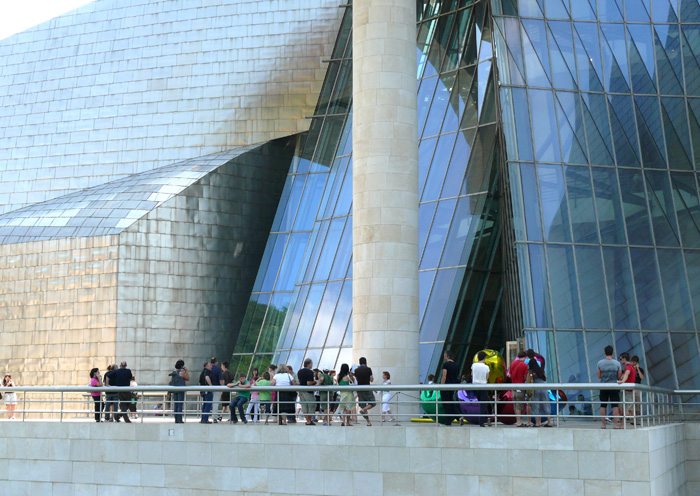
[(61, 414), (24, 405), (437, 409), (495, 408), (556, 410)]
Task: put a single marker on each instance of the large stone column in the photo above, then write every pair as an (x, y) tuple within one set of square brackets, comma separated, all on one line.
[(385, 188)]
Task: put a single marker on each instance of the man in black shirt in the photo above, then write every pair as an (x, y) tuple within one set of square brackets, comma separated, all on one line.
[(450, 375), (205, 380), (365, 399), (308, 401), (122, 378)]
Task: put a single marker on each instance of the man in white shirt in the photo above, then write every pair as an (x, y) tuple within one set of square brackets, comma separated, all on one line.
[(480, 375)]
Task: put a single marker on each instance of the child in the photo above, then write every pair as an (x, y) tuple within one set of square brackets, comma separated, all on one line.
[(265, 397), (386, 397)]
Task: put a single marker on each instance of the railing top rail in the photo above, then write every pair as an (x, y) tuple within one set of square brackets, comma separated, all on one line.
[(377, 387)]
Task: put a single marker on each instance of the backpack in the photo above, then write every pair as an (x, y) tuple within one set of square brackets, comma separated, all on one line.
[(203, 378)]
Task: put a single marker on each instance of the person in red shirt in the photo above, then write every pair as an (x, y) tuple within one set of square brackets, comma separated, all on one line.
[(629, 375), (518, 375)]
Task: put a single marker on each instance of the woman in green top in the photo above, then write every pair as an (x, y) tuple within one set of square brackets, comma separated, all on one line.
[(347, 399), (265, 397)]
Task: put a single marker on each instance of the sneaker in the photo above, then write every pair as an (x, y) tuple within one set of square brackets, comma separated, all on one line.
[(219, 418)]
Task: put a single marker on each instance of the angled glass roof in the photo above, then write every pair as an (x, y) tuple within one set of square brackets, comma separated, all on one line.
[(111, 207)]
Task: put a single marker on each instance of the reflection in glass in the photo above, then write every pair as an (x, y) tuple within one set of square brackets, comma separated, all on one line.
[(686, 359), (591, 281), (540, 287), (676, 296), (562, 277), (635, 207), (607, 195), (274, 320), (620, 286), (438, 233), (555, 215), (646, 283), (659, 367), (581, 204), (530, 202)]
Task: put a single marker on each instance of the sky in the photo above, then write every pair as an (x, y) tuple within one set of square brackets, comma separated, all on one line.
[(18, 15)]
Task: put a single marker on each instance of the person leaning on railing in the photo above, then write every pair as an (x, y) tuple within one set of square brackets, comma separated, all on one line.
[(96, 381)]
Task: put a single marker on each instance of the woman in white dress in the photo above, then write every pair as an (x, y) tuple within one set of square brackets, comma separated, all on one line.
[(10, 398)]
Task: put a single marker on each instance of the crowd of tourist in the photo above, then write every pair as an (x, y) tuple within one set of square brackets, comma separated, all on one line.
[(532, 407)]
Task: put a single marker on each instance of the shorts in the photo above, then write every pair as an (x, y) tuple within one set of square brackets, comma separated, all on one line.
[(265, 407), (365, 398), (308, 402), (609, 396), (325, 399), (519, 400), (10, 399)]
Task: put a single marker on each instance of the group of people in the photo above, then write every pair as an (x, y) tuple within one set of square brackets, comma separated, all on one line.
[(284, 405), (625, 371), (115, 405)]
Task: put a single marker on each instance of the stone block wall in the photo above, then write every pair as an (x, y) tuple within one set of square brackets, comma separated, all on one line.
[(187, 268), (692, 458), (118, 87), (165, 459), (58, 304)]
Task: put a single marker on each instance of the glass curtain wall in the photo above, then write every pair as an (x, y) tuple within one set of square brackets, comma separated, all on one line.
[(460, 289), (600, 107)]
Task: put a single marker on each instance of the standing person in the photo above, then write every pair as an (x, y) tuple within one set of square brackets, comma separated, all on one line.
[(639, 377), (609, 372), (629, 376), (122, 378), (365, 399), (518, 375), (480, 375), (285, 399), (134, 399), (205, 380), (308, 401), (226, 395), (96, 381), (386, 397), (347, 399), (272, 370), (254, 404), (217, 379), (10, 398), (265, 397), (179, 378), (111, 398), (325, 379), (449, 375), (240, 400), (540, 403)]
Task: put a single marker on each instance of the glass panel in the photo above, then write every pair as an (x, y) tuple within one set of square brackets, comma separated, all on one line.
[(425, 284), (345, 197), (692, 264), (636, 11), (560, 53), (426, 147), (620, 288), (292, 261), (617, 73), (425, 39), (641, 54), (572, 363), (635, 207), (526, 298), (310, 202), (425, 97), (325, 314), (458, 163), (676, 296), (439, 104), (339, 105), (659, 367), (581, 204), (522, 123), (562, 277), (607, 196), (571, 130), (290, 326), (623, 130), (308, 316), (441, 159), (540, 288), (290, 209), (662, 209), (274, 320), (589, 64), (344, 253), (426, 211), (530, 202), (609, 11), (668, 59), (545, 133), (555, 213), (687, 360), (273, 266), (341, 316), (457, 247), (246, 341), (676, 132), (646, 282), (650, 132), (517, 201), (330, 247), (436, 312), (591, 281), (687, 207), (438, 233)]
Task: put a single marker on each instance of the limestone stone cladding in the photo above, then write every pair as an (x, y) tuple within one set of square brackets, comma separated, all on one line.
[(174, 284), (385, 188), (118, 87), (146, 459)]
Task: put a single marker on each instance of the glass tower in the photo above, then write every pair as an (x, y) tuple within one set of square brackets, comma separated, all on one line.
[(559, 154)]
